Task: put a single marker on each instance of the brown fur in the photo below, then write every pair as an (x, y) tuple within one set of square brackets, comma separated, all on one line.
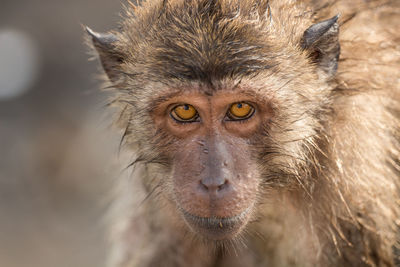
[(330, 158)]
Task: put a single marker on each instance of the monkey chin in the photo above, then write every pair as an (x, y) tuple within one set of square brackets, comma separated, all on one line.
[(215, 228)]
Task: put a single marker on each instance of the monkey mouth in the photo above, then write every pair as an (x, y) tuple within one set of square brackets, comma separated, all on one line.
[(217, 228)]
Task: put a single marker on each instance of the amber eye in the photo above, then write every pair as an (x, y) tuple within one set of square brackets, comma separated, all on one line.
[(240, 111), (184, 113)]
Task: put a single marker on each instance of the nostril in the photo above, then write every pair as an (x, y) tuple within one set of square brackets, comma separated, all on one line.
[(203, 186), (213, 185), (223, 186)]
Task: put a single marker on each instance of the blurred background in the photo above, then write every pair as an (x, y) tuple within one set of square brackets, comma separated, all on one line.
[(57, 150)]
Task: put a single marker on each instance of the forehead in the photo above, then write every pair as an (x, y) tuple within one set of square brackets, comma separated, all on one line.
[(204, 43), (238, 90)]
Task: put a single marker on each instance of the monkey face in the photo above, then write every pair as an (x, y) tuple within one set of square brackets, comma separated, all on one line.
[(214, 175)]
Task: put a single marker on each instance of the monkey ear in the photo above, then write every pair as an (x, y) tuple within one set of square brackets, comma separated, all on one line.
[(322, 42), (105, 45)]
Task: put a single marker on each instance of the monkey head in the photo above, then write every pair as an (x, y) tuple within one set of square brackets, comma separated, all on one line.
[(212, 89)]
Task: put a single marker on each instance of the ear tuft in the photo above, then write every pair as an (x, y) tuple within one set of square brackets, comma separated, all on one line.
[(316, 31), (322, 42), (102, 39), (105, 45)]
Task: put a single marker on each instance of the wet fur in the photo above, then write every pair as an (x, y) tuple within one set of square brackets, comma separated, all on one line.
[(330, 158)]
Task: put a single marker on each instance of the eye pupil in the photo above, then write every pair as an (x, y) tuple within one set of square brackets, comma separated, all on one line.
[(186, 107), (239, 105)]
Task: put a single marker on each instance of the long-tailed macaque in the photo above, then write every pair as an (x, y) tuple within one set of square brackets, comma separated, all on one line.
[(265, 133)]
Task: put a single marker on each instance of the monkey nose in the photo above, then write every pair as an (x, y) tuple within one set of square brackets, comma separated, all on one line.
[(214, 185)]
